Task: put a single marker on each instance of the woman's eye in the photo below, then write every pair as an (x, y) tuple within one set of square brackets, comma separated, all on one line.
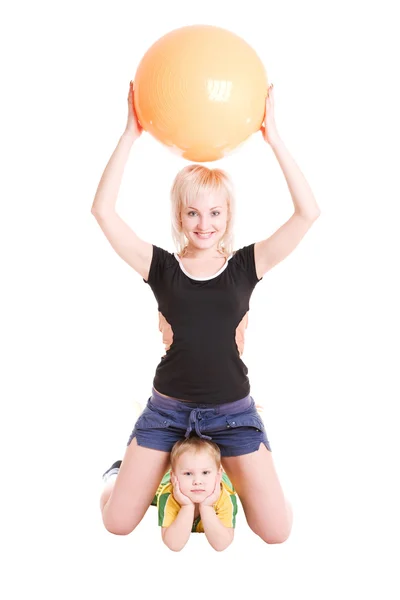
[(215, 213)]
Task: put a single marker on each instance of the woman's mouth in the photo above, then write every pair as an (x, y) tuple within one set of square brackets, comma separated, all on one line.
[(204, 236)]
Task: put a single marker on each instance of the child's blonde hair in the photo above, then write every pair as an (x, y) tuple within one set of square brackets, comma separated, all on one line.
[(194, 444), (189, 183)]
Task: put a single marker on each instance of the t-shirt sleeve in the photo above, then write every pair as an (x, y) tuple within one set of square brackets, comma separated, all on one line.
[(226, 509), (159, 261), (245, 260), (168, 509)]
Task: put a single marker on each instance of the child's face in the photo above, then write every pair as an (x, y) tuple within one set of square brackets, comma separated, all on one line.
[(196, 473)]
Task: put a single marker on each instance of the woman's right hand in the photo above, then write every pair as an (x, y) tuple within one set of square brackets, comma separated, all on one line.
[(133, 126), (178, 495)]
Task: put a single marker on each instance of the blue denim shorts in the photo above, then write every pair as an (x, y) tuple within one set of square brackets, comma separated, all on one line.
[(236, 427)]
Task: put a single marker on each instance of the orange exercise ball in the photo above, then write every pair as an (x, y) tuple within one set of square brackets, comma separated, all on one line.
[(201, 90)]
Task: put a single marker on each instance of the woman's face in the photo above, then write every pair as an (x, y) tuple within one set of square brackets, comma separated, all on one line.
[(204, 223)]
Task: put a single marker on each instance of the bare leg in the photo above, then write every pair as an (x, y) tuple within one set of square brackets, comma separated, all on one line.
[(267, 511), (125, 500)]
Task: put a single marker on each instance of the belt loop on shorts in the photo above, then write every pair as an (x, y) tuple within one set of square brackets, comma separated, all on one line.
[(194, 418)]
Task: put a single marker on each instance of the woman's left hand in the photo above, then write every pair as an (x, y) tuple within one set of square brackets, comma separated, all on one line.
[(212, 498), (268, 128)]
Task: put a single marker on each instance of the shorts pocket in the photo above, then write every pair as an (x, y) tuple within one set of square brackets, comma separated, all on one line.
[(152, 421), (233, 421)]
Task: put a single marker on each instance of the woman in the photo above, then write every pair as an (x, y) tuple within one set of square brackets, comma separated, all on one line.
[(203, 293)]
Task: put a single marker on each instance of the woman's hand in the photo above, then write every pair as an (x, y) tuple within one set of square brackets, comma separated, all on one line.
[(212, 498), (178, 495), (268, 128), (133, 126)]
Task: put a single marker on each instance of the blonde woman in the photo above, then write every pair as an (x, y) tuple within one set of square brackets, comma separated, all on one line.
[(202, 292)]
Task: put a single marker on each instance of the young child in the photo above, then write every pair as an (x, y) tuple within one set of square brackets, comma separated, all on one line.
[(194, 496)]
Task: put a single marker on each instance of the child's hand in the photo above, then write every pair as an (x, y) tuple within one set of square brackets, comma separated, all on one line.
[(132, 126), (178, 495), (212, 498)]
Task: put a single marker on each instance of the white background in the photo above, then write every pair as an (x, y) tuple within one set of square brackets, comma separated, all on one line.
[(79, 328)]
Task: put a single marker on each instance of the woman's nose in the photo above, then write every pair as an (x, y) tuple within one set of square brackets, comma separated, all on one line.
[(203, 223)]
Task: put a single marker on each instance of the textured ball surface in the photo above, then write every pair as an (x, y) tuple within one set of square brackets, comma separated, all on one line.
[(201, 90)]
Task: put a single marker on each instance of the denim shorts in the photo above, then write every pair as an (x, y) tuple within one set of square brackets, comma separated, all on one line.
[(236, 427)]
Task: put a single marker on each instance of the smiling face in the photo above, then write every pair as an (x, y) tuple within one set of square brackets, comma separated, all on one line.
[(204, 221), (203, 209), (196, 471)]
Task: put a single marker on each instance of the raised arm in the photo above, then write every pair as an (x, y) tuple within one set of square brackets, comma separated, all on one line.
[(126, 243), (280, 244)]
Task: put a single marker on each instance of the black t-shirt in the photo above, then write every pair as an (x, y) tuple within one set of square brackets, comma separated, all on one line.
[(203, 364)]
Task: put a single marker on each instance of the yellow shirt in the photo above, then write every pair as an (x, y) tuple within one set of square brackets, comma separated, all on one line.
[(168, 508)]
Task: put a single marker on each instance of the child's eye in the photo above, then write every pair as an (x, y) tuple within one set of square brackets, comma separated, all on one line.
[(187, 473), (206, 472)]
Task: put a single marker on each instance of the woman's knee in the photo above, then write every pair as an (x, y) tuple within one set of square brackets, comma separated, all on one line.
[(118, 528), (117, 520), (116, 525), (276, 538), (277, 535), (278, 531)]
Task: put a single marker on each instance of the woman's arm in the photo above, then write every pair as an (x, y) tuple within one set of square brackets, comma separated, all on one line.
[(219, 536), (110, 182), (177, 534), (272, 250), (126, 243), (107, 191), (303, 199)]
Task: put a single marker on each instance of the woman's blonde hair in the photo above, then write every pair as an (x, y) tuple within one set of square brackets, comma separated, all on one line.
[(189, 183), (194, 444)]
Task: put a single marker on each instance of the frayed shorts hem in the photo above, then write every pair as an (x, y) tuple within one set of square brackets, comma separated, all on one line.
[(225, 452), (236, 428)]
